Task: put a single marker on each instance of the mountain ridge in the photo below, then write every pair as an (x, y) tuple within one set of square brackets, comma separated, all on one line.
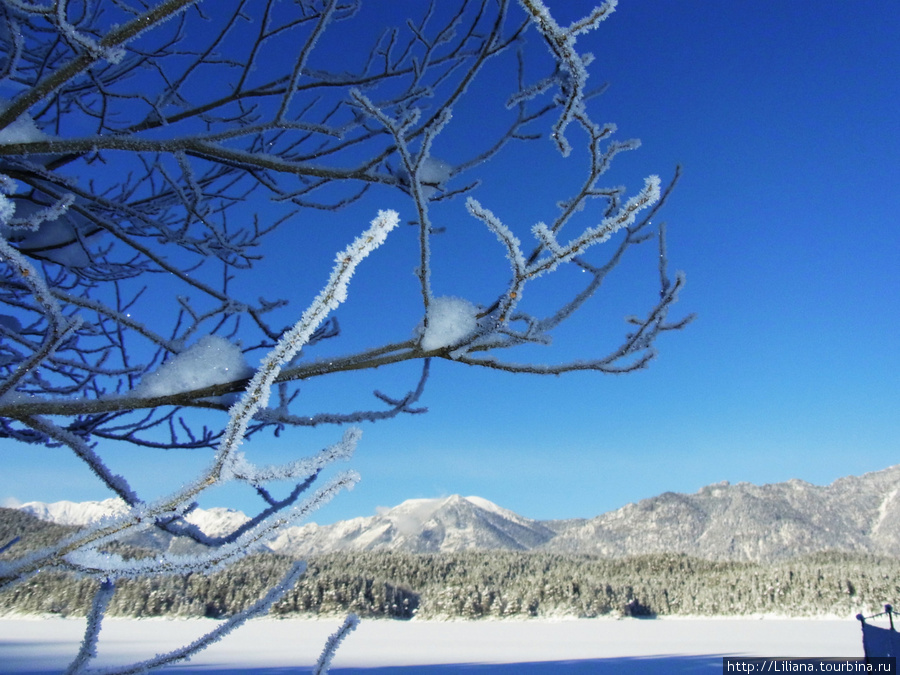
[(743, 522)]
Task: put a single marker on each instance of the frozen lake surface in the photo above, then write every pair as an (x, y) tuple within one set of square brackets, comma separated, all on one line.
[(270, 647)]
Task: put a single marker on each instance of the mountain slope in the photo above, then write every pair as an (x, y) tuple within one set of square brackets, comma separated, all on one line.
[(214, 522), (762, 523), (74, 513), (29, 532), (751, 522), (421, 526)]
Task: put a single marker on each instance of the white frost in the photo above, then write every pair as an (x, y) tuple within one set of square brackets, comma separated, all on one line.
[(7, 209), (7, 205), (213, 360), (449, 321)]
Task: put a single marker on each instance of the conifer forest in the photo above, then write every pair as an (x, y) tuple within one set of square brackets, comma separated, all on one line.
[(476, 585)]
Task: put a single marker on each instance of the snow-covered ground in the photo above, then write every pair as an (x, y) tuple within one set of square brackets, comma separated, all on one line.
[(266, 646)]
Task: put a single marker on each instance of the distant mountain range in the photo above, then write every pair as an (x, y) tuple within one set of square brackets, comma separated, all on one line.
[(214, 522), (761, 523)]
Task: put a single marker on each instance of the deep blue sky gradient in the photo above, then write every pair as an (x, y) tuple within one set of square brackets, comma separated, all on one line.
[(786, 120)]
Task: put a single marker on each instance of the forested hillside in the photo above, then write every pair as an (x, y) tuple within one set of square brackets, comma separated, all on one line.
[(472, 584), (476, 585)]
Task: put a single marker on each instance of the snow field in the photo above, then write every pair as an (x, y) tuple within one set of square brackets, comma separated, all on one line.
[(33, 646)]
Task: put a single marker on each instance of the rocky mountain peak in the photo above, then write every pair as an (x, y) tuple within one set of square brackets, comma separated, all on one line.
[(719, 522)]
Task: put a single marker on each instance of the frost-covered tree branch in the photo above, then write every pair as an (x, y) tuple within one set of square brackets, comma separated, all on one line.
[(152, 152), (82, 552)]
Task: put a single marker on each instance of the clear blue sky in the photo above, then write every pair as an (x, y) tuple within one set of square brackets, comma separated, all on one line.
[(786, 119)]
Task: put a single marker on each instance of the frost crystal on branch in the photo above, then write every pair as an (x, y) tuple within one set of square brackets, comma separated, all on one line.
[(334, 641), (562, 44), (21, 130), (256, 395)]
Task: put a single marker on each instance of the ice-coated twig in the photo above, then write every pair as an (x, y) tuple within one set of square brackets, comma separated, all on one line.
[(115, 482), (180, 527), (303, 57), (524, 272), (602, 232), (259, 608), (15, 53), (637, 346), (223, 467), (562, 44), (88, 650), (88, 560), (334, 641), (36, 284), (297, 132), (513, 253), (59, 327), (48, 214), (334, 293), (109, 42), (83, 42), (399, 129), (243, 470), (664, 281)]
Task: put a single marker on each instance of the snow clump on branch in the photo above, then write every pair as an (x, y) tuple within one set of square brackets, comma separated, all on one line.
[(449, 321), (212, 360), (22, 130)]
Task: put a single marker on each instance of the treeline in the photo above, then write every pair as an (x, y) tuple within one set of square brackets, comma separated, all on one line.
[(471, 585), (322, 590), (513, 584), (491, 584)]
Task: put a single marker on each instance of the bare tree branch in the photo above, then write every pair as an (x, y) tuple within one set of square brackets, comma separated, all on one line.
[(149, 150)]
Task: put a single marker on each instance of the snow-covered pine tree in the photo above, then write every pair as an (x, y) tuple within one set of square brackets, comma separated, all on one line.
[(147, 152)]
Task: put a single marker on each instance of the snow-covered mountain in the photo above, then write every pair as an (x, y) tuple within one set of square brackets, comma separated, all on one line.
[(74, 513), (422, 526), (721, 521), (751, 522), (214, 522)]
